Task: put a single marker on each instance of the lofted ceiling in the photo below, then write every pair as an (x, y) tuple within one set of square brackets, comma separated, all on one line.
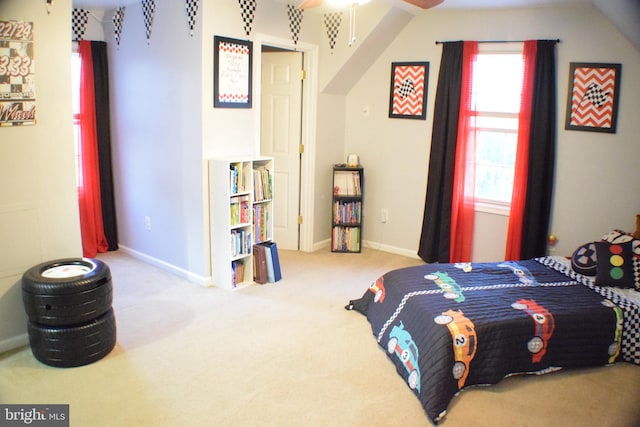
[(447, 4), (625, 14)]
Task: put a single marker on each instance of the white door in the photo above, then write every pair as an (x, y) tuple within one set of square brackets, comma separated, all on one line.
[(280, 130)]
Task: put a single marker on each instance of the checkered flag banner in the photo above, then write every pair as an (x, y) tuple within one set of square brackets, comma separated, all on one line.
[(295, 21), (192, 11), (118, 19), (79, 18), (248, 12), (148, 10), (406, 88), (596, 95), (332, 23)]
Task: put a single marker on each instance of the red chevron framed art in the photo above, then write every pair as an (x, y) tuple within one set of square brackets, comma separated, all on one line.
[(408, 94), (592, 101)]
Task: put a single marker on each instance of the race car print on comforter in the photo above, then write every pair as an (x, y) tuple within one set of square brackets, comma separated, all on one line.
[(451, 326)]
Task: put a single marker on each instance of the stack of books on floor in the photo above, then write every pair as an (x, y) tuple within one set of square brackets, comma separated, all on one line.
[(266, 263)]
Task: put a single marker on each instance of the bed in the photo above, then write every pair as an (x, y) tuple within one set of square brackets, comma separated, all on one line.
[(448, 327)]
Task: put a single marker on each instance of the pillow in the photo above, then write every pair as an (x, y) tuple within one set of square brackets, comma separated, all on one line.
[(617, 236), (584, 259), (615, 264)]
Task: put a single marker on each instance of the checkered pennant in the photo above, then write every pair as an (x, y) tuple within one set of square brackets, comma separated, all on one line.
[(148, 9), (118, 20), (295, 21), (79, 19), (596, 95), (248, 11), (406, 88), (192, 10), (332, 22)]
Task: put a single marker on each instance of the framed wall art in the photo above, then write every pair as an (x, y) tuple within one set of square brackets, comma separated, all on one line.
[(408, 93), (17, 74), (232, 72), (592, 101)]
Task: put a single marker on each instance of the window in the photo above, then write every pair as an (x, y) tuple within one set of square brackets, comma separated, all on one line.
[(497, 88)]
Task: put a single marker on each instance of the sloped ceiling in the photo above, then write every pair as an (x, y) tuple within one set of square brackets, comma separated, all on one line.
[(368, 50), (625, 15)]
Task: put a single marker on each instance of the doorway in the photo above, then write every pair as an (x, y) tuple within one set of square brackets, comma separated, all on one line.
[(295, 168), (280, 137)]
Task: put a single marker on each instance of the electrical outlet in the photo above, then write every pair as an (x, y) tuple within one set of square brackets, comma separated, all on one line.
[(384, 215), (147, 222)]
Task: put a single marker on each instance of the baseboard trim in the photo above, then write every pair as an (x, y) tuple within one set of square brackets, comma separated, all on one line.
[(388, 248), (192, 277), (206, 281), (326, 244), (14, 342)]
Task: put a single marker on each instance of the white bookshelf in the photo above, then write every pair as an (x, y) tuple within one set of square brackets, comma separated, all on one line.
[(241, 214)]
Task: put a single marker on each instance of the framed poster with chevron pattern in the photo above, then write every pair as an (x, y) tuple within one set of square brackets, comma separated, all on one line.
[(592, 101), (408, 94)]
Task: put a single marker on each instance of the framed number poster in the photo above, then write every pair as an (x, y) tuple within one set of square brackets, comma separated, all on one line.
[(17, 74), (408, 94), (592, 101), (232, 72)]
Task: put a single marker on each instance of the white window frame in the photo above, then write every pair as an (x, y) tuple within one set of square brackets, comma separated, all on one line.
[(492, 206)]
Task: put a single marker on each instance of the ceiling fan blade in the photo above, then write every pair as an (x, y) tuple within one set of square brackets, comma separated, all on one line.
[(424, 4), (308, 4)]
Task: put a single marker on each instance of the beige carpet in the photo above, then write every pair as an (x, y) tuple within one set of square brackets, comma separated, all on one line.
[(284, 354)]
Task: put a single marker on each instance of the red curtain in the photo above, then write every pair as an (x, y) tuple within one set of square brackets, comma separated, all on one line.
[(91, 225), (463, 204), (519, 194)]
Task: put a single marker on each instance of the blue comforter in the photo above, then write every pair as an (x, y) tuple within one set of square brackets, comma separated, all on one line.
[(447, 327)]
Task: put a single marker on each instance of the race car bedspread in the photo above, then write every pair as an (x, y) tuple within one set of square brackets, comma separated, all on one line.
[(451, 326)]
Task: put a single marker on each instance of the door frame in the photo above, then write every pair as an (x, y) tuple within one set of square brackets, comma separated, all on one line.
[(309, 123)]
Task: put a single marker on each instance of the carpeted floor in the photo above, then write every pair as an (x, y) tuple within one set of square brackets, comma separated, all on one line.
[(284, 354)]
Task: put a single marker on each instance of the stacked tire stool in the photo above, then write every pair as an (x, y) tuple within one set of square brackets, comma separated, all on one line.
[(69, 306)]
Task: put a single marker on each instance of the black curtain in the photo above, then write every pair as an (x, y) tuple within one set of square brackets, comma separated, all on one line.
[(542, 147), (436, 225), (103, 123)]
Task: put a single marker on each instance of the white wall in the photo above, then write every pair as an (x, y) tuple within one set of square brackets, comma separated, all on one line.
[(597, 175), (38, 199), (156, 99), (165, 126)]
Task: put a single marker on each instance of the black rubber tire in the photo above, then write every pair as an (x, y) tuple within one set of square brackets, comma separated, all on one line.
[(67, 347), (66, 301)]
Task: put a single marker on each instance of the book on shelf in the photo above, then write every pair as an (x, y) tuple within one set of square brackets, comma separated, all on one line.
[(346, 239), (262, 184), (240, 242), (240, 210), (261, 222), (347, 212), (236, 178), (347, 183), (237, 272)]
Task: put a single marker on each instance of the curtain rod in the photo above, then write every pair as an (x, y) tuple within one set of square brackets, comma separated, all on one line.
[(498, 41)]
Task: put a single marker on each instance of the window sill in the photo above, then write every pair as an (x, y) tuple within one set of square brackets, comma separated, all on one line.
[(492, 208)]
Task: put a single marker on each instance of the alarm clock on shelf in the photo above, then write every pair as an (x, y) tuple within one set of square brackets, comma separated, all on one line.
[(352, 160)]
